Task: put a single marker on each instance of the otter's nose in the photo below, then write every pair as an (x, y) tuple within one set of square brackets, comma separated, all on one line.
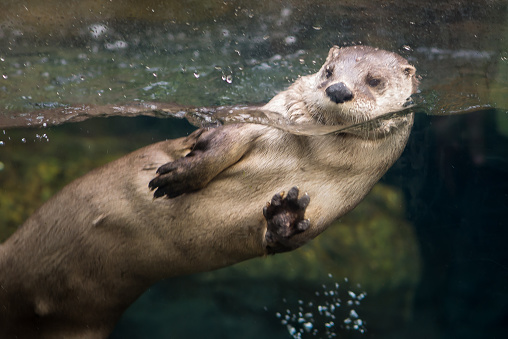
[(339, 93)]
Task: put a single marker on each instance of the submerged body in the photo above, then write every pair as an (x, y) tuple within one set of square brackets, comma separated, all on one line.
[(80, 260)]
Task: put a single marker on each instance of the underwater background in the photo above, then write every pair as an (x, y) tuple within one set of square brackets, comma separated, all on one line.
[(423, 256)]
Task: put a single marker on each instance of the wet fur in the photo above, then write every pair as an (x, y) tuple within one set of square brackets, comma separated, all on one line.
[(80, 260)]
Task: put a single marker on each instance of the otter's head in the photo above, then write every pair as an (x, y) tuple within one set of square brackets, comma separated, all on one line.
[(359, 83)]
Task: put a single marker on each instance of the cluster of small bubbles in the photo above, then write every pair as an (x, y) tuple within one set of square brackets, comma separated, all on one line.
[(117, 45), (156, 84), (321, 319), (42, 137), (227, 78), (97, 30)]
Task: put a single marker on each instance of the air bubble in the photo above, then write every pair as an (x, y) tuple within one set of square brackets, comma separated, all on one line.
[(227, 78), (308, 326)]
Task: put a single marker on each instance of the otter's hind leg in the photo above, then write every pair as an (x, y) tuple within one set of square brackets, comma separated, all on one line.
[(285, 218)]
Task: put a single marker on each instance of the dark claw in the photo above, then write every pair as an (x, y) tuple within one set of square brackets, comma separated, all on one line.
[(303, 225), (158, 193), (163, 183), (165, 186), (304, 201), (166, 168), (154, 183), (276, 200), (292, 195)]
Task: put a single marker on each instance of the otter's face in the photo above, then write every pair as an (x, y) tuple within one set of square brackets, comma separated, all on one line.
[(360, 83)]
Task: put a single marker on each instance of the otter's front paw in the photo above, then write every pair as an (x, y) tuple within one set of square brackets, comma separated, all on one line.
[(191, 172), (176, 178), (285, 218)]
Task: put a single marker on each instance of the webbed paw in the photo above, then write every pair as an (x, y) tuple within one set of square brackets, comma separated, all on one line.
[(285, 218)]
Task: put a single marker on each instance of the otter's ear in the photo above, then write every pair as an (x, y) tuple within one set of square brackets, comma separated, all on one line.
[(408, 70), (333, 53)]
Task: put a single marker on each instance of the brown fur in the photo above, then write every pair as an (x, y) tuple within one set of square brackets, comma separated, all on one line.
[(80, 260)]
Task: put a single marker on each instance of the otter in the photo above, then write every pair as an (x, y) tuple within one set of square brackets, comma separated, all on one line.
[(204, 201)]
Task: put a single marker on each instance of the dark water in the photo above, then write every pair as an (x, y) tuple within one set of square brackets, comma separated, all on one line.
[(453, 174), (423, 256)]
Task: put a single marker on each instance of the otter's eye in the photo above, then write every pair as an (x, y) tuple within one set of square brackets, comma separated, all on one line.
[(328, 71), (373, 82)]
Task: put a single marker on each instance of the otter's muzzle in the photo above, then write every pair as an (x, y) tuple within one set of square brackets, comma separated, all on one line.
[(339, 93)]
